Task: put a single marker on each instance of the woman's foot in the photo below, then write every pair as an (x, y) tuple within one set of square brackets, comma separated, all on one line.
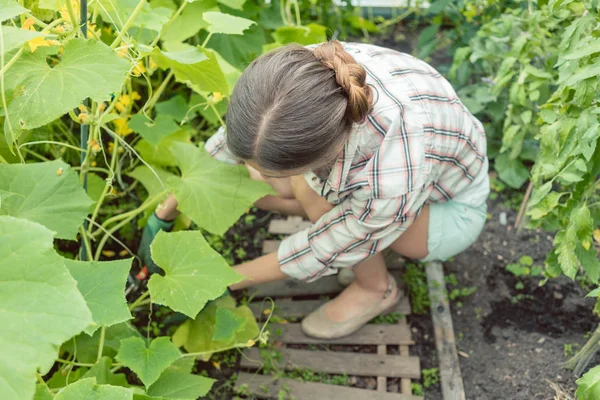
[(352, 309)]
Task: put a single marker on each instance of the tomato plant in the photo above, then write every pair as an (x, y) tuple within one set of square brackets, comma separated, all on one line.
[(145, 82)]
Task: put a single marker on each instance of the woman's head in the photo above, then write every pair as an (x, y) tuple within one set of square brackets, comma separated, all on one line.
[(293, 108)]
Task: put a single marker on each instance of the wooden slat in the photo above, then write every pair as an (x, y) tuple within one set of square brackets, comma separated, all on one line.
[(405, 386), (259, 384), (286, 308), (292, 287), (270, 246), (452, 384), (367, 335), (331, 362), (382, 380), (288, 226)]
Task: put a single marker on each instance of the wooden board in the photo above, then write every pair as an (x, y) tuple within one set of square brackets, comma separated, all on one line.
[(292, 287), (452, 384), (287, 308), (382, 380), (367, 335), (334, 362), (265, 387), (288, 226)]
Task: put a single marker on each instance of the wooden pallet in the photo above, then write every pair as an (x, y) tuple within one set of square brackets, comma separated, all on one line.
[(294, 300)]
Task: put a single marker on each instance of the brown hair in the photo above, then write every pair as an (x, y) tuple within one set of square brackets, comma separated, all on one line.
[(294, 107)]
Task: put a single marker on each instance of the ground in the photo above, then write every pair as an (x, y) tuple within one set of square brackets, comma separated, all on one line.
[(512, 341)]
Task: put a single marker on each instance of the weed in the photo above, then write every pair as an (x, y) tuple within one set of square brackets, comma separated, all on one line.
[(570, 349), (431, 377), (415, 279), (417, 389), (389, 319)]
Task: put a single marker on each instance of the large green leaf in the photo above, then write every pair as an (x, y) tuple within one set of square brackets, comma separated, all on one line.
[(197, 335), (176, 107), (189, 22), (148, 362), (87, 346), (219, 22), (160, 154), (180, 386), (88, 68), (88, 389), (194, 272), (240, 50), (102, 285), (15, 37), (235, 4), (153, 131), (196, 67), (48, 193), (589, 385), (309, 34), (212, 193), (227, 323), (148, 18), (42, 393), (41, 306), (10, 9), (512, 172)]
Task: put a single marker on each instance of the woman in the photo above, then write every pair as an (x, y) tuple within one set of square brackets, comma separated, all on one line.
[(372, 145)]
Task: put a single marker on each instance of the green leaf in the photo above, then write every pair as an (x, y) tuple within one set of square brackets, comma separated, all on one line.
[(148, 18), (194, 272), (589, 385), (526, 260), (235, 4), (581, 74), (88, 68), (213, 204), (88, 389), (227, 323), (197, 335), (148, 362), (59, 378), (101, 371), (196, 67), (177, 385), (189, 22), (238, 50), (41, 306), (102, 286), (512, 172), (545, 206), (10, 9), (16, 37), (219, 22), (589, 261), (161, 153), (309, 34), (42, 393), (594, 293), (149, 180), (153, 132), (176, 107), (48, 193), (87, 347)]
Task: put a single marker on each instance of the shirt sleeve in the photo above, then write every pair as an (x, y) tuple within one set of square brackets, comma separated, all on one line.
[(347, 235), (216, 146)]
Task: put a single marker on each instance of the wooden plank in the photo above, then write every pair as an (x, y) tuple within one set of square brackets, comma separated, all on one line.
[(405, 385), (367, 335), (382, 380), (334, 362), (292, 287), (452, 384), (288, 226), (270, 246), (287, 308), (265, 387)]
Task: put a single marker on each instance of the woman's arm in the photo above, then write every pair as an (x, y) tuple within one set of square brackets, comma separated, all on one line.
[(260, 270)]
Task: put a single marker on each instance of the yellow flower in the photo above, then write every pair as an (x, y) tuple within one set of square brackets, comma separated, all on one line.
[(108, 253), (122, 129), (139, 69), (217, 97), (64, 12), (153, 64), (111, 148), (122, 51), (59, 171), (125, 100), (28, 24), (123, 253), (250, 343)]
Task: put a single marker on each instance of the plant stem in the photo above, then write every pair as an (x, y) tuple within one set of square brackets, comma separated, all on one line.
[(86, 240), (206, 40), (128, 23), (72, 15), (40, 379), (113, 162), (139, 300), (297, 9), (60, 360), (101, 345), (152, 102), (203, 353), (11, 62), (52, 142)]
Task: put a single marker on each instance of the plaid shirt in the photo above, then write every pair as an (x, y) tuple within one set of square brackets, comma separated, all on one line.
[(419, 145)]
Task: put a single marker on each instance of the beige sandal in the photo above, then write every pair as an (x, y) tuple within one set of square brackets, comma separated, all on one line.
[(318, 325)]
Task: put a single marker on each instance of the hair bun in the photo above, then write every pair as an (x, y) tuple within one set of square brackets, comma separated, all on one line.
[(350, 75)]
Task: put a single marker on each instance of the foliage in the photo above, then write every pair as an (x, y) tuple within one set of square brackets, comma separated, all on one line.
[(146, 86)]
